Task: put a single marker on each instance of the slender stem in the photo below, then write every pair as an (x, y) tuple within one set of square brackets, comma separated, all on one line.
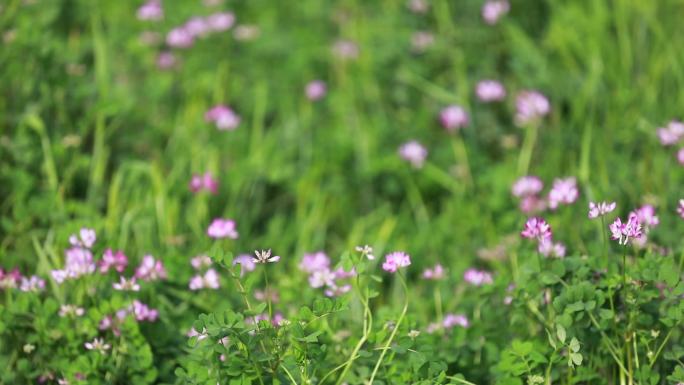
[(394, 331), (267, 293), (289, 375), (367, 326), (527, 149), (662, 345), (605, 242), (611, 348), (438, 302)]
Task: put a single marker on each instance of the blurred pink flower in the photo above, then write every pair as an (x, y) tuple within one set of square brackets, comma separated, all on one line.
[(210, 280), (477, 277), (346, 49), (142, 312), (126, 285), (99, 345), (150, 269), (200, 262), (530, 106), (550, 249), (414, 153), (526, 186), (246, 263), (179, 37), (490, 91), (395, 260), (564, 191), (435, 273), (203, 182), (196, 27), (531, 204), (314, 261), (315, 90), (222, 228), (421, 41), (418, 6), (151, 10), (680, 208), (166, 60), (624, 232), (493, 10), (671, 134), (223, 117), (451, 320), (113, 260), (600, 209), (536, 228), (34, 283), (680, 156), (453, 117), (646, 216), (219, 22), (86, 238)]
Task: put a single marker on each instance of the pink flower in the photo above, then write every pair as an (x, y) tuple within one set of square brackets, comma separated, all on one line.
[(453, 118), (200, 262), (395, 260), (346, 49), (526, 186), (203, 182), (451, 320), (321, 277), (210, 280), (166, 60), (265, 257), (600, 209), (71, 311), (435, 273), (315, 90), (219, 22), (671, 134), (196, 27), (414, 153), (151, 10), (142, 312), (623, 232), (564, 191), (34, 283), (246, 263), (493, 10), (477, 277), (223, 117), (79, 262), (99, 345), (680, 208), (548, 248), (222, 228), (418, 6), (179, 37), (536, 228), (111, 260), (314, 262), (126, 285), (646, 216), (490, 91), (150, 269), (532, 204), (86, 238), (530, 106)]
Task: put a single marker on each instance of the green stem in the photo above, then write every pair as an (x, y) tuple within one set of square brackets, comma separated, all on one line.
[(527, 149), (394, 331), (267, 293), (367, 326)]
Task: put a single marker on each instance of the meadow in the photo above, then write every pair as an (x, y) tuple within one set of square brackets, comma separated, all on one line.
[(341, 192)]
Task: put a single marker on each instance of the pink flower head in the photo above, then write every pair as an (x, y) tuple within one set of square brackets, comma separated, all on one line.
[(34, 284), (223, 117), (166, 60), (113, 260), (315, 90), (152, 10), (624, 232), (219, 22), (671, 134), (222, 228), (395, 260), (564, 191), (314, 262), (79, 262), (210, 280), (99, 345), (203, 182), (418, 6), (10, 280), (646, 216), (490, 91), (680, 156), (531, 204), (493, 10), (421, 41), (150, 269), (451, 320), (179, 37), (196, 27), (414, 153), (526, 186), (322, 277), (477, 277), (680, 208), (600, 209), (435, 273), (246, 263), (200, 262), (71, 311), (453, 118), (548, 248), (346, 49), (142, 312), (531, 106), (536, 228), (86, 238)]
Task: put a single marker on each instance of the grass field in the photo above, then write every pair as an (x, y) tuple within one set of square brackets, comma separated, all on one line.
[(106, 116)]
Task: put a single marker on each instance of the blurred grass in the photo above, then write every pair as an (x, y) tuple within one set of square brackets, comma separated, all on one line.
[(92, 133)]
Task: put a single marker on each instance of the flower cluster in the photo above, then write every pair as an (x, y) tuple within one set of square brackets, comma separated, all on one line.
[(315, 90), (150, 269), (531, 106), (223, 117), (113, 260), (246, 263), (79, 258), (453, 118), (414, 153), (184, 36), (203, 182), (492, 10), (600, 209), (477, 277), (317, 265), (527, 189), (151, 11), (264, 256), (490, 91), (624, 232), (138, 310), (396, 260), (564, 191), (435, 273), (345, 49), (222, 228), (206, 277), (449, 322)]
